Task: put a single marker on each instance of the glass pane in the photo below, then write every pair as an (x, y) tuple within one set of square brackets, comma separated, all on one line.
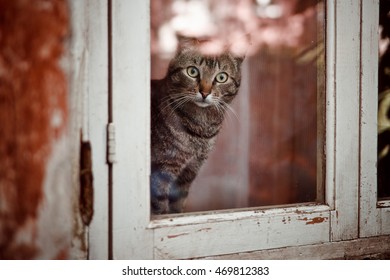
[(384, 102), (269, 150)]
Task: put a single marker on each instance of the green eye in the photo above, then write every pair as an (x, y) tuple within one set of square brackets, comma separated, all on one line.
[(221, 77), (192, 71)]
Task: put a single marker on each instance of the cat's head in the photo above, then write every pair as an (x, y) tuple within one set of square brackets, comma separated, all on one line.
[(203, 79)]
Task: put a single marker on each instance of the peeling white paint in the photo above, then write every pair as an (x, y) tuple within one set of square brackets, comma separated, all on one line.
[(54, 225)]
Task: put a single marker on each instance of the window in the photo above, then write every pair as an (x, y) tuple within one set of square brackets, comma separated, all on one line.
[(349, 208), (270, 149)]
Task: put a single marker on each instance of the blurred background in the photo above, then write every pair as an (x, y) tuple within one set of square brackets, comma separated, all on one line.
[(270, 151)]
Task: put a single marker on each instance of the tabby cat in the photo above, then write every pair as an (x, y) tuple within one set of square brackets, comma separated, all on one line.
[(187, 110)]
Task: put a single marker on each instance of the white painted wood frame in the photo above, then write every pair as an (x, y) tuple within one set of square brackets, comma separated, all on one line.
[(374, 215), (136, 236), (343, 49), (131, 115), (89, 92)]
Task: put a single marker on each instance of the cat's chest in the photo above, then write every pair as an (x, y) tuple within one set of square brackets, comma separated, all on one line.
[(200, 124), (192, 139), (188, 140)]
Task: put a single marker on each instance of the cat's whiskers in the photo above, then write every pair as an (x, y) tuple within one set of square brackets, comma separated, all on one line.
[(221, 110), (180, 102), (175, 101), (229, 110)]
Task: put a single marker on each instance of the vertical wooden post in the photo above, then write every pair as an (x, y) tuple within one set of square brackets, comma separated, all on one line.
[(346, 127)]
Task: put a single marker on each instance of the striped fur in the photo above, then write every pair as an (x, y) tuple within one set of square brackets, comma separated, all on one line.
[(188, 108)]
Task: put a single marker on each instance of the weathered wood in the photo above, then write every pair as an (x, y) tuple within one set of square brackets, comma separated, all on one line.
[(374, 247), (97, 113), (370, 222), (330, 106), (385, 220), (131, 115), (374, 215), (222, 233), (79, 248), (346, 90), (239, 231), (89, 85), (383, 203)]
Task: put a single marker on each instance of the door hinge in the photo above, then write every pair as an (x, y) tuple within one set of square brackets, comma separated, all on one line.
[(111, 149)]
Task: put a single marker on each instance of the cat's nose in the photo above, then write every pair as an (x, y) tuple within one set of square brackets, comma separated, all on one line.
[(205, 89), (205, 94)]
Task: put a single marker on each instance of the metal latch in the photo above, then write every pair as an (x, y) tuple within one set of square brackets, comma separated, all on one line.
[(111, 154)]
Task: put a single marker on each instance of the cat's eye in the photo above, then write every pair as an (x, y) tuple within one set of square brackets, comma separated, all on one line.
[(221, 77), (193, 72)]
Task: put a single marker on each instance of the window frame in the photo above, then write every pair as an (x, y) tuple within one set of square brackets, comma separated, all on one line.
[(350, 210)]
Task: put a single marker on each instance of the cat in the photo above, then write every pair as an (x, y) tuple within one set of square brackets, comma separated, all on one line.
[(187, 110)]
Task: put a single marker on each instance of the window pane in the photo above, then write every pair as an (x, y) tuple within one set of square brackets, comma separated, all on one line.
[(384, 102), (269, 151)]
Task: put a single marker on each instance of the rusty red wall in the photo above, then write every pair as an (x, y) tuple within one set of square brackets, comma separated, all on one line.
[(35, 214)]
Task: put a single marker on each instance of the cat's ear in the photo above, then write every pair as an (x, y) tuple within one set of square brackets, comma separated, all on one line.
[(203, 45), (240, 48), (186, 43), (239, 58)]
